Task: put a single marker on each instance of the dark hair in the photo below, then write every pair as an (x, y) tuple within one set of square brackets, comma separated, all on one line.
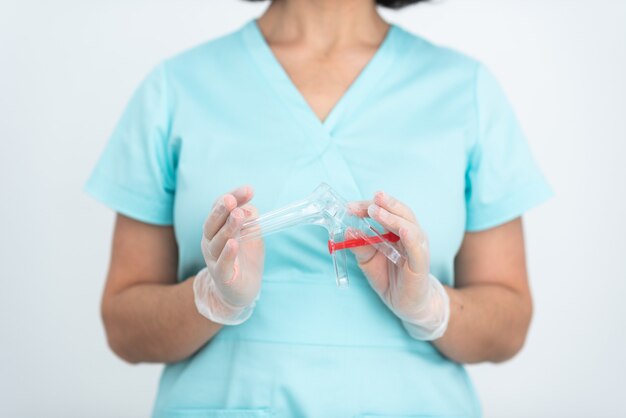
[(391, 4), (398, 4)]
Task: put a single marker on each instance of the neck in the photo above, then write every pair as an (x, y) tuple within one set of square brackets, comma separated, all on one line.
[(324, 25)]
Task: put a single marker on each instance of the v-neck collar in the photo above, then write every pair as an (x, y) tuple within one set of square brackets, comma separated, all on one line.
[(295, 101)]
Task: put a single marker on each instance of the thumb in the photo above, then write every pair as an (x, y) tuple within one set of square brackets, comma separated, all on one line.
[(364, 253), (374, 270)]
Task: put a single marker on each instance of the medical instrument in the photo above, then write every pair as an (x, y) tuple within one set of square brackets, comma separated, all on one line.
[(325, 207)]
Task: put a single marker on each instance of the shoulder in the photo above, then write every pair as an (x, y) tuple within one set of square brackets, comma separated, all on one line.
[(421, 48), (429, 59), (209, 57)]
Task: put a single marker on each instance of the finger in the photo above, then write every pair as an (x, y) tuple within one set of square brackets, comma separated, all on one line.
[(222, 208), (243, 194), (250, 211), (359, 208), (388, 220), (370, 262), (416, 246), (393, 205), (229, 230), (249, 226), (224, 270), (416, 238), (363, 254)]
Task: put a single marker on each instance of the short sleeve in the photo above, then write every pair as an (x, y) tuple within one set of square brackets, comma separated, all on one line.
[(502, 179), (135, 174)]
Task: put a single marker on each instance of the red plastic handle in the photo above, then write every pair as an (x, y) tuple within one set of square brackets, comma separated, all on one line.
[(359, 242)]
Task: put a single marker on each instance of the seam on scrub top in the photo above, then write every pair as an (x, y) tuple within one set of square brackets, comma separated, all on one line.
[(413, 347), (266, 78), (329, 283), (524, 198), (340, 111), (394, 53), (151, 200), (474, 120)]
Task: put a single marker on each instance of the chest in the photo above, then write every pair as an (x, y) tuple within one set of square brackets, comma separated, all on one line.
[(421, 164), (402, 132)]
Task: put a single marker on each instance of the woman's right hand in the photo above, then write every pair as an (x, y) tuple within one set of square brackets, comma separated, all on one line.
[(226, 290)]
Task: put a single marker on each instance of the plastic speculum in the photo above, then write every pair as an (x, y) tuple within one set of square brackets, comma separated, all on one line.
[(326, 208)]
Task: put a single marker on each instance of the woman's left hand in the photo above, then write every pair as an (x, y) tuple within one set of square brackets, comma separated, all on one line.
[(408, 289)]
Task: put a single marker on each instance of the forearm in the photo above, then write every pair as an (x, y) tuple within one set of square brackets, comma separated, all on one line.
[(487, 323), (156, 323)]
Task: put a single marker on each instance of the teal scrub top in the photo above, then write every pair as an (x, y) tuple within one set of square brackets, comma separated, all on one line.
[(422, 122)]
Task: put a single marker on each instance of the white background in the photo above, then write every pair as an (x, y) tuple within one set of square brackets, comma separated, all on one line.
[(67, 69)]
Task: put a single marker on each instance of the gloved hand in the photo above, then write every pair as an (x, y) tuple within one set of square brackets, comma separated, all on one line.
[(226, 290), (410, 291)]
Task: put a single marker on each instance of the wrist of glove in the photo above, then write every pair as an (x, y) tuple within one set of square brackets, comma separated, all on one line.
[(430, 320), (212, 305)]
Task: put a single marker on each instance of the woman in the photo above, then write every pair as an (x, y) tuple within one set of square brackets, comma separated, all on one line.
[(316, 91)]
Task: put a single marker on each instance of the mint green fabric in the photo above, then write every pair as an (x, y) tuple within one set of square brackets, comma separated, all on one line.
[(424, 123)]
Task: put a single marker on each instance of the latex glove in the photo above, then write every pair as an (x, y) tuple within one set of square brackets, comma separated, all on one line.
[(410, 291), (226, 290)]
